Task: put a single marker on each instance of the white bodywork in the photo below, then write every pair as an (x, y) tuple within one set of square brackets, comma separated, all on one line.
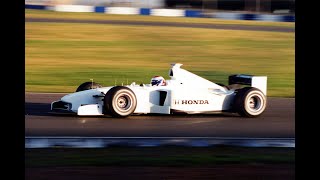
[(184, 92)]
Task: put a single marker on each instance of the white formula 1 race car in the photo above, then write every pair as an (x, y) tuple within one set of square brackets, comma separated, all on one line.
[(185, 92)]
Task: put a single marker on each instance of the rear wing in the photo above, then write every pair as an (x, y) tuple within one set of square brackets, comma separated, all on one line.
[(259, 82)]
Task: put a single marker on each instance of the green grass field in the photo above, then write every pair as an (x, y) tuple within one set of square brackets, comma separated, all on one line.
[(60, 56), (157, 156)]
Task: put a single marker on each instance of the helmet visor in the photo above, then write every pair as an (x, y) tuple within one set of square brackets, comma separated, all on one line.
[(155, 82)]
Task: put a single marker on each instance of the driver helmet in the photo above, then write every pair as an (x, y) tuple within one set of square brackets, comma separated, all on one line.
[(158, 81)]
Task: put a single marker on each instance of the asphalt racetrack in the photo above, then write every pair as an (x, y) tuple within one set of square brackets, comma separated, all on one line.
[(278, 121)]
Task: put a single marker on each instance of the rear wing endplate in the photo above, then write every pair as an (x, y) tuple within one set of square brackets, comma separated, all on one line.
[(259, 82)]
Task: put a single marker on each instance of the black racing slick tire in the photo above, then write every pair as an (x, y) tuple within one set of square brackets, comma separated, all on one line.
[(226, 87), (120, 101), (88, 85), (250, 102)]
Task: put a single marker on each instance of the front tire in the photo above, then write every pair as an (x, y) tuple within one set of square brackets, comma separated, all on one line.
[(250, 102), (120, 101), (88, 85)]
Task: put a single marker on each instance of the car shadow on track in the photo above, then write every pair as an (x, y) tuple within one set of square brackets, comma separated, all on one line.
[(183, 115), (39, 109), (43, 109)]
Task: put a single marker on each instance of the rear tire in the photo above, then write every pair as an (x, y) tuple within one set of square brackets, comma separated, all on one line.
[(226, 87), (250, 102), (120, 101), (88, 85)]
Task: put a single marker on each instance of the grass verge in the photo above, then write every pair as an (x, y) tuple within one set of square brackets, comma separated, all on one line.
[(157, 156)]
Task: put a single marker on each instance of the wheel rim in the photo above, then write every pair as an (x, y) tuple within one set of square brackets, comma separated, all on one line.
[(123, 102), (255, 104)]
